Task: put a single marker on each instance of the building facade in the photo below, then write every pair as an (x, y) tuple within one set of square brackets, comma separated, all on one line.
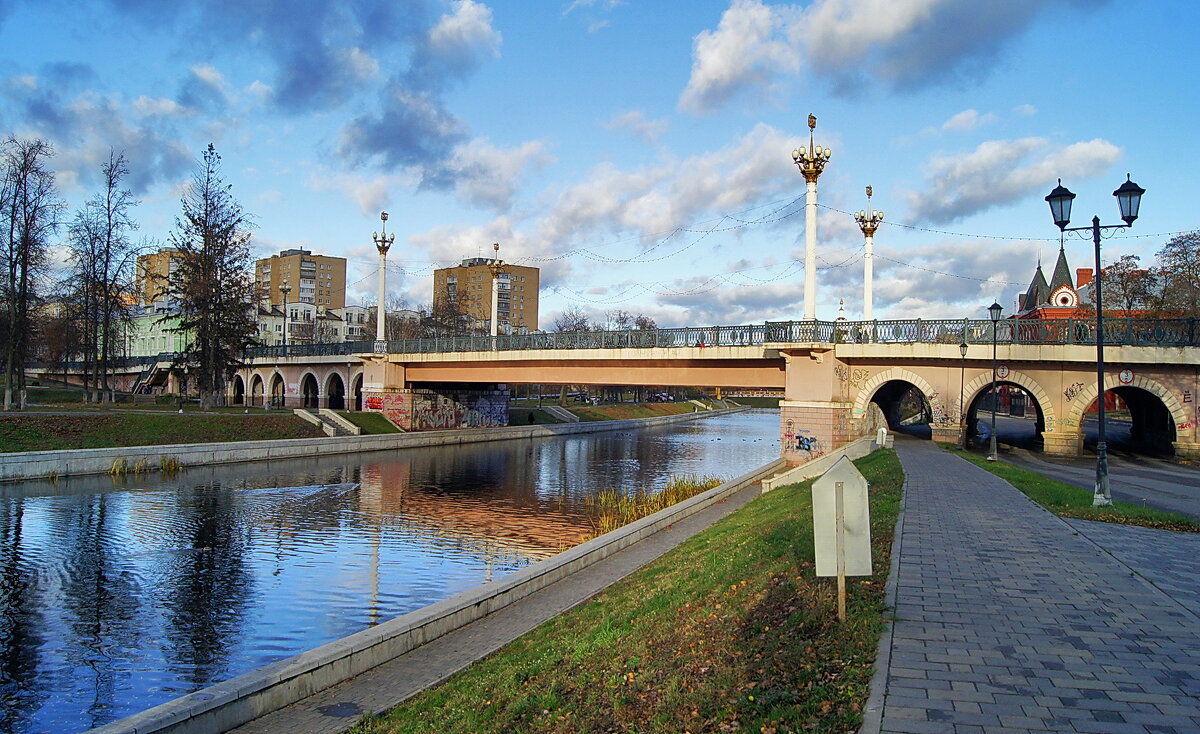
[(469, 285), (319, 280), (155, 273)]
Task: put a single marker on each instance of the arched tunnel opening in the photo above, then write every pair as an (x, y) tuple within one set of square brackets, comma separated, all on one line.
[(1136, 421), (904, 407), (1020, 420)]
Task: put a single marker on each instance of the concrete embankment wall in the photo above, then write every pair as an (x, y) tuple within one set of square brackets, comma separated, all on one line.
[(239, 700), (40, 464)]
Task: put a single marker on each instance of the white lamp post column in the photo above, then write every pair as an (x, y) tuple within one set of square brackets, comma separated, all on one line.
[(497, 268), (811, 162), (382, 243), (868, 221)]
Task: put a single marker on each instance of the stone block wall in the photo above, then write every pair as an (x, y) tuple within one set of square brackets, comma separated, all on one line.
[(809, 430)]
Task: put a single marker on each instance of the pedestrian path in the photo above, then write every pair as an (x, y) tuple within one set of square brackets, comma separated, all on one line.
[(1009, 619)]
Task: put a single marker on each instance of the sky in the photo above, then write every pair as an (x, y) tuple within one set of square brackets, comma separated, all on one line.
[(637, 151)]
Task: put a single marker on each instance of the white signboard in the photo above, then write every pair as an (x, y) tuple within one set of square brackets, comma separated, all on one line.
[(856, 520)]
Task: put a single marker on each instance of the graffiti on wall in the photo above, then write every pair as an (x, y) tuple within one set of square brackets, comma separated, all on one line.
[(853, 377), (1074, 389)]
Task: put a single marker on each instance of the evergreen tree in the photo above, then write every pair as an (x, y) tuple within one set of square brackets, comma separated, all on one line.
[(213, 287)]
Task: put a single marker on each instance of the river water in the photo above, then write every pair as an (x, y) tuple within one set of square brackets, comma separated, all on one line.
[(119, 595)]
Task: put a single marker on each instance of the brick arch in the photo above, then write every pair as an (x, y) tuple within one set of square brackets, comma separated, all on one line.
[(867, 391), (1088, 394), (983, 382)]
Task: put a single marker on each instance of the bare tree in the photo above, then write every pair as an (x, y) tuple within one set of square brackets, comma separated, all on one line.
[(29, 214), (1179, 274), (214, 290), (1128, 287), (103, 254), (573, 319)]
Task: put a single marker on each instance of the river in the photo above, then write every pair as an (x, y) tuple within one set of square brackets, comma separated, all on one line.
[(117, 595)]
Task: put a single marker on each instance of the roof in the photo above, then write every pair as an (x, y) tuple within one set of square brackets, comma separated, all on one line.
[(1062, 273)]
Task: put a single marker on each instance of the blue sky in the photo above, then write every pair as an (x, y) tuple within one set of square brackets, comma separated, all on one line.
[(638, 152)]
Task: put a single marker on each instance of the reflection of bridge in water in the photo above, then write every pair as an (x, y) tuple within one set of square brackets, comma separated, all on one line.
[(840, 379)]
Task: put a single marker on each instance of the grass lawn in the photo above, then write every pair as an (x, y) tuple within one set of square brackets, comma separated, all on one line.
[(630, 410), (369, 422), (520, 417), (730, 631), (88, 430), (1067, 500)]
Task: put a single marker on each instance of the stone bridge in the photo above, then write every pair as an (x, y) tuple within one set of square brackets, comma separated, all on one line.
[(841, 380)]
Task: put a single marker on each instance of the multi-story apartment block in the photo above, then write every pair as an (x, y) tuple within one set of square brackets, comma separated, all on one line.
[(316, 279), (154, 275), (470, 286)]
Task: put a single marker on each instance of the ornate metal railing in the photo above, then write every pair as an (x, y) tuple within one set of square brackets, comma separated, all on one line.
[(1131, 332)]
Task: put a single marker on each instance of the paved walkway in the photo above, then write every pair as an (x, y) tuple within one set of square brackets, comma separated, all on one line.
[(1009, 619), (338, 708)]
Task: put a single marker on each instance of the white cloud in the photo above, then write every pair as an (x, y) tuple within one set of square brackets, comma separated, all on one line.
[(466, 30), (999, 172), (967, 120), (635, 121), (486, 175), (370, 193), (900, 43), (1025, 109), (157, 107), (742, 53)]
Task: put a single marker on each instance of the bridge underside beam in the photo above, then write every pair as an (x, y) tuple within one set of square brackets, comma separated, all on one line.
[(743, 373)]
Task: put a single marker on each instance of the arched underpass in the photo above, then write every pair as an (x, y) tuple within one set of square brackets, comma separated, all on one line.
[(1020, 420), (905, 407), (1140, 423)]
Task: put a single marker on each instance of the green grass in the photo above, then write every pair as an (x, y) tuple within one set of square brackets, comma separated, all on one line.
[(90, 430), (757, 402), (625, 411), (1067, 500), (730, 631), (369, 422), (520, 417)]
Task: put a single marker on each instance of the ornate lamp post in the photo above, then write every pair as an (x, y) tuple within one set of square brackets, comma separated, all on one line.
[(811, 161), (962, 409), (497, 269), (994, 311), (285, 288), (868, 221), (382, 243), (1129, 200)]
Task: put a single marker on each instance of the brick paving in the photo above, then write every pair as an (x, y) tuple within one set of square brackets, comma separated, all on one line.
[(1009, 619)]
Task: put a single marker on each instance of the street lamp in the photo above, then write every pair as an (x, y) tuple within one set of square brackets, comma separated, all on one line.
[(497, 269), (1129, 200), (811, 161), (285, 288), (868, 221), (382, 243), (962, 409), (994, 311)]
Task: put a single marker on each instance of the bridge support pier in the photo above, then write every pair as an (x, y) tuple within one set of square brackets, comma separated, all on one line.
[(809, 429), (1062, 444), (1186, 449)]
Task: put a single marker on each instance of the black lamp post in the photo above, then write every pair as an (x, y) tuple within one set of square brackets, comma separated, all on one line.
[(1129, 199), (994, 312), (962, 409)]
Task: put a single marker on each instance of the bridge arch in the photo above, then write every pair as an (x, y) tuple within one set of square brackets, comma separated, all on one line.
[(257, 388), (310, 390), (278, 390), (356, 389), (866, 395), (1149, 403), (239, 390), (335, 391), (983, 383)]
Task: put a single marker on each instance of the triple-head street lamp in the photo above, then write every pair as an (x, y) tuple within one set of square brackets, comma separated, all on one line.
[(382, 243), (811, 161), (868, 221), (994, 312), (1129, 200)]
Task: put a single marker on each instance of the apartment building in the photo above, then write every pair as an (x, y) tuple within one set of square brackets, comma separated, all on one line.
[(319, 280), (155, 272), (470, 286)]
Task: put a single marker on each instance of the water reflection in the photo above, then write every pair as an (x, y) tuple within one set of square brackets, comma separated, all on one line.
[(117, 595)]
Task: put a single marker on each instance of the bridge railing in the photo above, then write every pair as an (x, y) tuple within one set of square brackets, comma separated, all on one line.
[(1132, 332)]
